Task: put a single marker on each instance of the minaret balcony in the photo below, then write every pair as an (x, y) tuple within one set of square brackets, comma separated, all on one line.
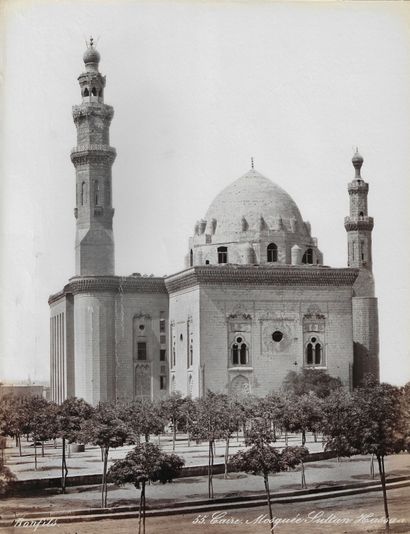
[(362, 222)]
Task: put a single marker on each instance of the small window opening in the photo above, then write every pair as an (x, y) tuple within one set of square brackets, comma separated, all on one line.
[(162, 355), (222, 255), (277, 336), (142, 351), (272, 253), (86, 92), (308, 256), (94, 91), (191, 257), (207, 262)]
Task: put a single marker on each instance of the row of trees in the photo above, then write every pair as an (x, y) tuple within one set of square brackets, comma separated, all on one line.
[(374, 419)]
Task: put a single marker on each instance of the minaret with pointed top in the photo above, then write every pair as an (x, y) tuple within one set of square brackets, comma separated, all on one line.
[(92, 158), (359, 225), (359, 228)]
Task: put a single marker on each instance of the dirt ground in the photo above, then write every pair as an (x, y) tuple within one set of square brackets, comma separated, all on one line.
[(347, 515)]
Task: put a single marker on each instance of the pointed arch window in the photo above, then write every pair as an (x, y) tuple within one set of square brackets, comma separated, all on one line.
[(314, 353), (83, 193), (97, 192), (86, 92), (191, 257), (222, 254), (308, 256), (94, 91), (272, 253), (239, 352)]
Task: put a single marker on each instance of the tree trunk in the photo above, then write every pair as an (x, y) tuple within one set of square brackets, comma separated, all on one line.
[(19, 438), (304, 485), (372, 466), (286, 438), (315, 436), (64, 470), (380, 461), (226, 457), (42, 449), (303, 437), (35, 453), (174, 433), (140, 514), (143, 507), (266, 482), (104, 480), (210, 470)]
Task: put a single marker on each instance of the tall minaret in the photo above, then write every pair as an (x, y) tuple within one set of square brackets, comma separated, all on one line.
[(359, 228), (92, 159), (359, 225)]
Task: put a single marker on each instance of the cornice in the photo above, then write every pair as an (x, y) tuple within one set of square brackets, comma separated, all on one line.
[(84, 154), (261, 275), (359, 223), (110, 284)]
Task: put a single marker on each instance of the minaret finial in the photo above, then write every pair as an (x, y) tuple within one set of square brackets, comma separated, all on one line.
[(252, 166), (91, 40), (357, 161)]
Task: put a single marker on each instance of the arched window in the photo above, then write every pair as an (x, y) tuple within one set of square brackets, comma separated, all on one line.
[(97, 193), (86, 92), (207, 262), (174, 356), (314, 352), (191, 257), (94, 91), (308, 256), (222, 255), (361, 214), (191, 355), (272, 253), (239, 352), (309, 354), (83, 193)]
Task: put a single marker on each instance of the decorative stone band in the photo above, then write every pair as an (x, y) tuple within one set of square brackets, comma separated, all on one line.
[(93, 108), (356, 186), (359, 223), (110, 284), (85, 154), (261, 275)]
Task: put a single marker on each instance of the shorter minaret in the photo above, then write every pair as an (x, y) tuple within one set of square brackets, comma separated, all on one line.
[(359, 225), (359, 228), (92, 158)]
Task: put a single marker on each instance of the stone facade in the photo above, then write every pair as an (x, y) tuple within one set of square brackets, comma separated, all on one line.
[(253, 303)]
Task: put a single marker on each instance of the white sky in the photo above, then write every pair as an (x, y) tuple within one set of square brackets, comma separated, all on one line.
[(198, 88)]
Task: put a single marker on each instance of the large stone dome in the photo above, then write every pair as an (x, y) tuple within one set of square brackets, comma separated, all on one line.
[(251, 201)]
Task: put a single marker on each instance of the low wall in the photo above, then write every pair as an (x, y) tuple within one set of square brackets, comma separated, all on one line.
[(19, 486)]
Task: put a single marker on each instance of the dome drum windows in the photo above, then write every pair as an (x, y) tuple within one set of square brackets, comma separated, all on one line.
[(308, 256), (222, 255), (272, 253)]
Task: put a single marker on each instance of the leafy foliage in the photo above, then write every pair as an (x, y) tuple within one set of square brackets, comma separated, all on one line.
[(317, 381)]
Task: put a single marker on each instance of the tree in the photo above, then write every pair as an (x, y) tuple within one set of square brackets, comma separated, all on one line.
[(42, 422), (142, 417), (107, 430), (310, 380), (71, 415), (172, 408), (303, 414), (209, 426), (188, 417), (14, 417), (263, 459), (145, 463), (340, 423), (380, 426)]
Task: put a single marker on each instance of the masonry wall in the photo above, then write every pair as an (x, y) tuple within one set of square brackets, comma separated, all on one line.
[(365, 338), (61, 349), (132, 312), (184, 312), (94, 344), (254, 314)]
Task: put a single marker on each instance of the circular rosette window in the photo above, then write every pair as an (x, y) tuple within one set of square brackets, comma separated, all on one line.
[(276, 337)]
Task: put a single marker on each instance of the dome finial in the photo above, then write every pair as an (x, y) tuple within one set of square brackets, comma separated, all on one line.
[(357, 161), (91, 56), (252, 166)]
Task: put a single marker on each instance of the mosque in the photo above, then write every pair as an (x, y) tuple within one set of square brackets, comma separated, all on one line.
[(253, 302)]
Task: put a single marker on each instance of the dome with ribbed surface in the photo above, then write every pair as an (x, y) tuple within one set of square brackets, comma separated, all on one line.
[(254, 201), (91, 55)]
